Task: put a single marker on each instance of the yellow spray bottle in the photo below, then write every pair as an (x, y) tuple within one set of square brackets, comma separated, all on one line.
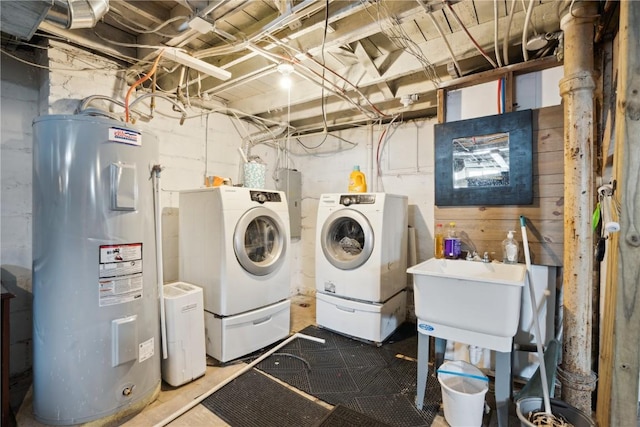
[(357, 181)]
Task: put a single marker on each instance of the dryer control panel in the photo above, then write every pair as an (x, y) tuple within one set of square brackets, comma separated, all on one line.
[(358, 199), (265, 196)]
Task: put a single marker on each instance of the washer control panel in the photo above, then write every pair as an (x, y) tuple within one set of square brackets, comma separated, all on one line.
[(357, 199), (265, 196)]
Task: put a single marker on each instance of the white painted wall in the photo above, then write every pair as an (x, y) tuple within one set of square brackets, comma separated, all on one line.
[(19, 91), (406, 167), (531, 91)]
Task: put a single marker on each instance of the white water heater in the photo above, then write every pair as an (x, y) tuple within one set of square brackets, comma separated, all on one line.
[(95, 301)]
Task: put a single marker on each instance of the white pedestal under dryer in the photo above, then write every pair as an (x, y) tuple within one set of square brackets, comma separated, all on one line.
[(361, 261), (234, 243)]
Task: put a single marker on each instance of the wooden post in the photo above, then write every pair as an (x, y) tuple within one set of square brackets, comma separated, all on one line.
[(619, 394)]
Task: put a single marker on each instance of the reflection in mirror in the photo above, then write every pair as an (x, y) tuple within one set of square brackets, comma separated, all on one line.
[(481, 161)]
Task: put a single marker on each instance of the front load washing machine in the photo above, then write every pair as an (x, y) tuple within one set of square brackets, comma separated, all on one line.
[(361, 259), (234, 243)]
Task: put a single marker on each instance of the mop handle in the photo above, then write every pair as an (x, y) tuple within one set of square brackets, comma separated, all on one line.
[(536, 324)]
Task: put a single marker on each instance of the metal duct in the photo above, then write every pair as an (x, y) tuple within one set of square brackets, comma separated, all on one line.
[(73, 14), (262, 136)]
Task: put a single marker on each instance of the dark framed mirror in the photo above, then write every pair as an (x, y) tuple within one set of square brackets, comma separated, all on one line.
[(484, 161)]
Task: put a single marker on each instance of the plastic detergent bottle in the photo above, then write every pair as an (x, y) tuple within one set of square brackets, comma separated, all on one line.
[(452, 243), (439, 242), (510, 249), (357, 181)]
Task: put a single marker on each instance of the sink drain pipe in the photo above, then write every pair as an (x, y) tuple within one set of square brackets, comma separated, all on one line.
[(203, 396)]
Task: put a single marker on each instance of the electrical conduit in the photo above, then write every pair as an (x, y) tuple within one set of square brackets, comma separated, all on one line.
[(155, 174)]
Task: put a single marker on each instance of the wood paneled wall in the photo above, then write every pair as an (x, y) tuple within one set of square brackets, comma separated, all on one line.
[(484, 227)]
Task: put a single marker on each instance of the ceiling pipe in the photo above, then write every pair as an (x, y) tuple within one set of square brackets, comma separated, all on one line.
[(505, 42), (525, 53), (74, 14)]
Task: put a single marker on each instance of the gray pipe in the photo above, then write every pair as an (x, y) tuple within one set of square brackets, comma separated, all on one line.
[(73, 14)]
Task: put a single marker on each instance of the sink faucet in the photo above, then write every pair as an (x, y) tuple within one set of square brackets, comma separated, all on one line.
[(485, 258)]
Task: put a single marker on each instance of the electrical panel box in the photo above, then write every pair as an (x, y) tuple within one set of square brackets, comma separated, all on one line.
[(290, 181)]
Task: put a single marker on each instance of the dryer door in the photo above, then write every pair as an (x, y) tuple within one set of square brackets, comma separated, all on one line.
[(260, 241), (347, 239)]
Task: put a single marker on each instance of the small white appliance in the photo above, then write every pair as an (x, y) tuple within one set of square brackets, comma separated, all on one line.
[(186, 357), (361, 261), (234, 243)]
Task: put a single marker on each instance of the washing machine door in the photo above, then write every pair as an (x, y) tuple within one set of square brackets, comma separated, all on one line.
[(260, 241), (347, 239)]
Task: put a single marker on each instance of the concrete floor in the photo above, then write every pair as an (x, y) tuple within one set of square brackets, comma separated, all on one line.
[(172, 399)]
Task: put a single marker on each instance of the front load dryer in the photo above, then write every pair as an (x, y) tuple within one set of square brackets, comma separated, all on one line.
[(361, 259), (234, 243)]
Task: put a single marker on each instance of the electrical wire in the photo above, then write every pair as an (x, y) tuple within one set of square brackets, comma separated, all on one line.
[(396, 34), (141, 29), (46, 67), (381, 144), (324, 68), (136, 45), (446, 42), (473, 41)]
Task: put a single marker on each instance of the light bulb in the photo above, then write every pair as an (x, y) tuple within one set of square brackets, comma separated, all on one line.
[(285, 82), (285, 69)]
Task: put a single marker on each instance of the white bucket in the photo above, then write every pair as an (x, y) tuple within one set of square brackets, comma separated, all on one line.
[(255, 175), (463, 389)]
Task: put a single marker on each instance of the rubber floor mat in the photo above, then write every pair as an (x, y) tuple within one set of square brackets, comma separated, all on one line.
[(255, 400), (360, 376), (341, 416)]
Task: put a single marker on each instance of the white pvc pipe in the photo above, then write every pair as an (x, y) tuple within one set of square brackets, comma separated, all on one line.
[(159, 274), (525, 53), (203, 396), (505, 42), (536, 323), (496, 49)]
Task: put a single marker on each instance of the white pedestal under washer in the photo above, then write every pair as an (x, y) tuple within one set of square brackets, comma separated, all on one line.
[(234, 243), (361, 258)]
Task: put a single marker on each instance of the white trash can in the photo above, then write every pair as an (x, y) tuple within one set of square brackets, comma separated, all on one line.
[(463, 389), (186, 354)]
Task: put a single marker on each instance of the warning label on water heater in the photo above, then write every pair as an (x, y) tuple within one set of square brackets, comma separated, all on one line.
[(120, 273), (125, 136)]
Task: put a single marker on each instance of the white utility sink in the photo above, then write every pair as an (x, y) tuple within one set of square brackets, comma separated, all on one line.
[(469, 301)]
